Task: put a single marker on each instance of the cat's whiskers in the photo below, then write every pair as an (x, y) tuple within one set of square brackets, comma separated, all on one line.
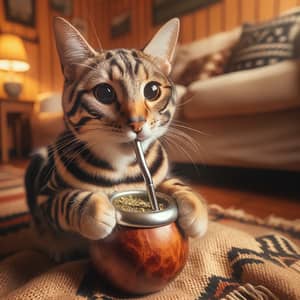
[(67, 150), (178, 142), (74, 156), (183, 125), (185, 101), (66, 142), (60, 146), (180, 137), (172, 141), (179, 130)]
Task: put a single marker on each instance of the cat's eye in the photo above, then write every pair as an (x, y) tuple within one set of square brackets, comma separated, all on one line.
[(152, 90), (104, 93)]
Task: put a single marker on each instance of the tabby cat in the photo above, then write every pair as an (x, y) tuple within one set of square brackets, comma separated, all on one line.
[(110, 98)]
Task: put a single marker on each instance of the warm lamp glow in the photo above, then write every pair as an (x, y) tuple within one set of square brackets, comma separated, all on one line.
[(13, 56)]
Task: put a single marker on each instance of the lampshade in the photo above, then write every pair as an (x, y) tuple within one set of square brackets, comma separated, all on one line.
[(13, 56)]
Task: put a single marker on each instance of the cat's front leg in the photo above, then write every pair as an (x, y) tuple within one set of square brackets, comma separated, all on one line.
[(88, 213), (98, 217), (192, 209)]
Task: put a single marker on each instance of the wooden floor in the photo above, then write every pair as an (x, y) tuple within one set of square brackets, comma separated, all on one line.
[(254, 203), (257, 192)]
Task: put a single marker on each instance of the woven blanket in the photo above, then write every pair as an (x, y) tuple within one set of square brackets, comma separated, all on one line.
[(241, 257)]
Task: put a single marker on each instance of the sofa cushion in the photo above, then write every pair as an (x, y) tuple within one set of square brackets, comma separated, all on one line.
[(204, 67), (272, 88), (266, 43), (45, 128), (201, 48), (50, 102)]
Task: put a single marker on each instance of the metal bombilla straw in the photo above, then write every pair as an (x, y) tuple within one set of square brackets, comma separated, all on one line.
[(146, 174)]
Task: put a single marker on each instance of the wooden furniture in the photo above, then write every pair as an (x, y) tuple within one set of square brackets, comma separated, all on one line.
[(19, 110)]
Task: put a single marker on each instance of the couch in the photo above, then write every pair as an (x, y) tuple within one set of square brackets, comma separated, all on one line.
[(47, 121), (248, 118)]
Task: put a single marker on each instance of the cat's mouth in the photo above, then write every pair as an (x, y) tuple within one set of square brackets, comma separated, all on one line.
[(141, 136)]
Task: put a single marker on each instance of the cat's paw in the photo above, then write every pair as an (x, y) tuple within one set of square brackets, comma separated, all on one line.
[(98, 218), (192, 213)]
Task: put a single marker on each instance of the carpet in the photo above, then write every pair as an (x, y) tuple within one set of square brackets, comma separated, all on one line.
[(241, 257), (13, 209)]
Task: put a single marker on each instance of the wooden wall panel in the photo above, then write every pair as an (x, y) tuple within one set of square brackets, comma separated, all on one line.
[(287, 4), (31, 79), (232, 13), (15, 28), (127, 8), (215, 18), (135, 25), (45, 55), (187, 25), (57, 77), (201, 24), (249, 12), (224, 15), (266, 9), (30, 38), (148, 27), (115, 9), (45, 74), (101, 20)]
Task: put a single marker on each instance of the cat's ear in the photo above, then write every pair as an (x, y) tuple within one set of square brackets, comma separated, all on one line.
[(163, 44), (71, 46)]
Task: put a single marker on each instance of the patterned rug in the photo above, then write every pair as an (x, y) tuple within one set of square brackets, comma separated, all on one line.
[(13, 213), (241, 257)]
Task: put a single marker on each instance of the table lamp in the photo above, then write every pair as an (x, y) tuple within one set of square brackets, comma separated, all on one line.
[(13, 58)]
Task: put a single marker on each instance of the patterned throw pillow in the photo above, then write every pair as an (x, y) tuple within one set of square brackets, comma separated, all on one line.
[(266, 43), (204, 67), (215, 65)]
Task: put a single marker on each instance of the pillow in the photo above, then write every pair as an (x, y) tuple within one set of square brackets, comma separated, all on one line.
[(50, 102), (266, 43), (214, 65), (204, 67), (203, 47)]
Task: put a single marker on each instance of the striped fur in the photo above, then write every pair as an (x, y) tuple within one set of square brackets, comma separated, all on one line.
[(109, 99)]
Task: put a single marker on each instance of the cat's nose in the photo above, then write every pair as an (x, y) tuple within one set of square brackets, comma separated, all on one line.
[(136, 127), (136, 123)]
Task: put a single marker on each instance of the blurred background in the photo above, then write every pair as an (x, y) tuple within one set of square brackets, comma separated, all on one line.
[(236, 71), (97, 17)]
